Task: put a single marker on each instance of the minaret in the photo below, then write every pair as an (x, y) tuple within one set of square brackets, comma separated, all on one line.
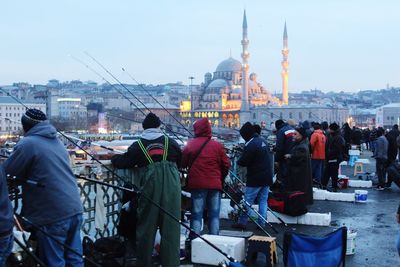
[(285, 68), (245, 69)]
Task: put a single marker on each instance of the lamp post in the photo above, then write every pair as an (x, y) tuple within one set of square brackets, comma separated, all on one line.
[(191, 78)]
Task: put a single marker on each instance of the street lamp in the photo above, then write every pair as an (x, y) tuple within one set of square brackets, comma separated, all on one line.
[(191, 78)]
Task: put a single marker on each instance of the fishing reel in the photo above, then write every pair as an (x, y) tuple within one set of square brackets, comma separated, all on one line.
[(13, 187)]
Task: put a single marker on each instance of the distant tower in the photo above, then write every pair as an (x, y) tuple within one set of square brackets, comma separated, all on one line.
[(285, 68), (245, 68)]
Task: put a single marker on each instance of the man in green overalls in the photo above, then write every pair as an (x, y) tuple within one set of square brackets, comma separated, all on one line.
[(158, 157)]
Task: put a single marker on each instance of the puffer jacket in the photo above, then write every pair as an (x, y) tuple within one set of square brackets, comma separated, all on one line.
[(212, 164), (317, 143)]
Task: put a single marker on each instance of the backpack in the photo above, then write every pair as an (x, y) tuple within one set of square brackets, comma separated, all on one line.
[(291, 203)]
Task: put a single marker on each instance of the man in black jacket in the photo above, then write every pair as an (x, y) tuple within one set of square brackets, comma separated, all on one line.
[(6, 221), (157, 156), (256, 157), (392, 150), (398, 221), (335, 152), (284, 143)]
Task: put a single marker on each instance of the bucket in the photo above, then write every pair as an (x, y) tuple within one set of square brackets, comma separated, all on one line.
[(361, 196), (343, 182), (351, 242)]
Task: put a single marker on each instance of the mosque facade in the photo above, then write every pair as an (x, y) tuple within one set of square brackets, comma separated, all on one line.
[(227, 95)]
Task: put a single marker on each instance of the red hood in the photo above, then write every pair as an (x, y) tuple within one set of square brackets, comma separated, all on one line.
[(319, 131), (202, 128)]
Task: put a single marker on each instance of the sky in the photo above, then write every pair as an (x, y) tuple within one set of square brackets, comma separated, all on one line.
[(334, 45)]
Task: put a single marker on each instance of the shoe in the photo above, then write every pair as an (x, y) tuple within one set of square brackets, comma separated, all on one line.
[(239, 226), (182, 254), (380, 188), (388, 185)]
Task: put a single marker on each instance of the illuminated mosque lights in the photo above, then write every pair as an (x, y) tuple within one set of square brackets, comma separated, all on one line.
[(219, 97)]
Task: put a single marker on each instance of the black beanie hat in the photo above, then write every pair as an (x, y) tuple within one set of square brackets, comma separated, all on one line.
[(279, 123), (247, 131), (334, 127), (31, 118), (151, 121), (257, 128), (301, 131)]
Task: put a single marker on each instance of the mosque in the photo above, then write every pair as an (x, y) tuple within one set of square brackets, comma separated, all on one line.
[(228, 95)]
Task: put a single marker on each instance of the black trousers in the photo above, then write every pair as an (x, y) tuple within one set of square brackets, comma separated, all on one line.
[(331, 171)]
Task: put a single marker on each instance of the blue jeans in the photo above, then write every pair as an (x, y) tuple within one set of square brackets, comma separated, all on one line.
[(6, 244), (201, 197), (67, 232), (317, 166), (250, 195)]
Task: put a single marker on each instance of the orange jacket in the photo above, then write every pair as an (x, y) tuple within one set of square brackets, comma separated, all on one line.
[(317, 142)]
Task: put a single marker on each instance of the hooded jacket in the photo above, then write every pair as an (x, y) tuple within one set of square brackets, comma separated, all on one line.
[(40, 156), (153, 141), (392, 139), (6, 211), (317, 143), (256, 157), (284, 141), (335, 148), (211, 165)]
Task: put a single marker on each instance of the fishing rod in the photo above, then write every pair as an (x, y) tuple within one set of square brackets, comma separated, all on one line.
[(95, 144), (134, 190), (27, 248), (121, 84), (148, 93), (65, 246), (120, 92), (230, 258)]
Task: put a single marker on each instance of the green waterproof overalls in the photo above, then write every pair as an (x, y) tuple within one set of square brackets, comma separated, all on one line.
[(160, 182)]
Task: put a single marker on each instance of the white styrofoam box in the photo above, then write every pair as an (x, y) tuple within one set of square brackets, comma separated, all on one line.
[(363, 161), (343, 163), (319, 194), (348, 197), (353, 152), (286, 218), (320, 219), (203, 253), (360, 183), (225, 208)]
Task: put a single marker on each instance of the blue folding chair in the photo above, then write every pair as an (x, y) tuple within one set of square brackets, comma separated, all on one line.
[(302, 250)]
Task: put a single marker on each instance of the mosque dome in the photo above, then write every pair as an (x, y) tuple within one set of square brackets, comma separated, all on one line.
[(218, 83), (229, 65)]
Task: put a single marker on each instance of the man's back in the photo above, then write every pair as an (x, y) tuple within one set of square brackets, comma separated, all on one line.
[(41, 157)]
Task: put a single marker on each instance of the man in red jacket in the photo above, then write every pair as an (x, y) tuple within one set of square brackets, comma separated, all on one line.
[(208, 165), (317, 143)]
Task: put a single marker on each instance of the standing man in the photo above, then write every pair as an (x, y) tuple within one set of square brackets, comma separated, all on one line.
[(284, 143), (392, 149), (335, 150), (40, 156), (6, 221), (208, 166), (317, 143), (398, 221), (381, 157), (158, 158), (256, 157)]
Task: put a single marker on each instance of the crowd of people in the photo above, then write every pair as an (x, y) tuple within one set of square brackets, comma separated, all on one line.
[(304, 154)]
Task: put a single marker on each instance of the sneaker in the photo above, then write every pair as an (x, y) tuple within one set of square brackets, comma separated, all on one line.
[(380, 188), (239, 226), (182, 254)]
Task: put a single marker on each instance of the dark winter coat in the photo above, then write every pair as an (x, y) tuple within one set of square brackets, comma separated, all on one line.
[(356, 136), (40, 156), (256, 157), (6, 211), (392, 139), (211, 166), (153, 141), (381, 148), (284, 141), (300, 176), (335, 148)]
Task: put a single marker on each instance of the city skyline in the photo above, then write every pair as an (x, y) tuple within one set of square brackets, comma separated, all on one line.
[(346, 45)]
